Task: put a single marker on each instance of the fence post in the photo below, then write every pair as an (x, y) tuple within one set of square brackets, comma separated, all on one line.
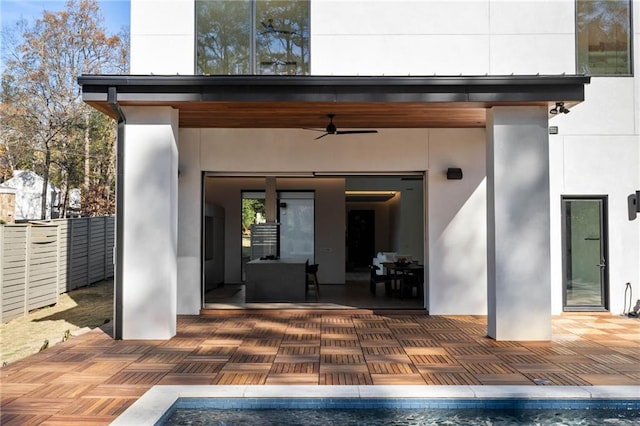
[(1, 273), (58, 238), (104, 255), (89, 229), (27, 268)]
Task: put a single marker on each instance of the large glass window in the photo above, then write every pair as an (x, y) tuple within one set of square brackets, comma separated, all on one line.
[(603, 37), (252, 37)]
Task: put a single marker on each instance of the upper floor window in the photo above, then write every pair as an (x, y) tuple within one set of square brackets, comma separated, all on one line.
[(603, 37), (252, 37)]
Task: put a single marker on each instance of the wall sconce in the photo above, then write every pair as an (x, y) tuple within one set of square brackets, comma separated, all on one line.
[(637, 201), (454, 173), (559, 109)]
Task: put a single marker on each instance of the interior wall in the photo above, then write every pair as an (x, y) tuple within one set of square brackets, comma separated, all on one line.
[(329, 220)]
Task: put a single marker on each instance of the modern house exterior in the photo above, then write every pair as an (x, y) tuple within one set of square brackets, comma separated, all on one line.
[(537, 103)]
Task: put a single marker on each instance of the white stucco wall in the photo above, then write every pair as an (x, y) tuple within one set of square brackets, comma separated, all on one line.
[(150, 210), (162, 37), (457, 223), (596, 150)]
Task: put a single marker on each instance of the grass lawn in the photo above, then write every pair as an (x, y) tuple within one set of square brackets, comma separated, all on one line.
[(76, 311)]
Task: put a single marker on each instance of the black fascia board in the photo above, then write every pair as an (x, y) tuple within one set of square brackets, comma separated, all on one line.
[(339, 88)]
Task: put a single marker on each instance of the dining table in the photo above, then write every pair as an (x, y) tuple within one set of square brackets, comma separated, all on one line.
[(401, 273)]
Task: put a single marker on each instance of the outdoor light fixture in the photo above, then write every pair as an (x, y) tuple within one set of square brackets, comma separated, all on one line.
[(559, 109), (637, 201), (454, 173)]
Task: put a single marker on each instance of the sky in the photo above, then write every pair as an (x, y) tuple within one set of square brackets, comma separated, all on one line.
[(115, 12)]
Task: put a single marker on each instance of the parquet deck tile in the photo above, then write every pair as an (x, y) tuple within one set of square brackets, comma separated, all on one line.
[(59, 391), (423, 342), (355, 358), (440, 368), (490, 369), (13, 419), (403, 358), (345, 340), (383, 350), (330, 350), (136, 377), (559, 379), (13, 390), (345, 378), (391, 368), (90, 406), (242, 367), (295, 368), (240, 379), (590, 368), (299, 350), (112, 391), (292, 379), (432, 359), (34, 406), (397, 379), (428, 350), (538, 368), (296, 358), (450, 379), (188, 379), (252, 358), (502, 379), (392, 343), (91, 378), (197, 367), (608, 379), (343, 368), (471, 359)]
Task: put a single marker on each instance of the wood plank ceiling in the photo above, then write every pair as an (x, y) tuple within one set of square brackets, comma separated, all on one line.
[(305, 102)]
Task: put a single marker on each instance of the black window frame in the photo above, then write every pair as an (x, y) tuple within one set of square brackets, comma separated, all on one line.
[(631, 42)]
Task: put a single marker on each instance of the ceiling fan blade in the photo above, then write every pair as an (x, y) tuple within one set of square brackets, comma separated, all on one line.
[(353, 132), (321, 136), (315, 130)]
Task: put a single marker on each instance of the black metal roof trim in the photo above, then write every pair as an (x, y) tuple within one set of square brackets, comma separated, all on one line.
[(276, 80), (179, 88)]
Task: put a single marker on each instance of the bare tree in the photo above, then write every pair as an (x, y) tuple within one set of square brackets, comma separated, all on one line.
[(42, 112)]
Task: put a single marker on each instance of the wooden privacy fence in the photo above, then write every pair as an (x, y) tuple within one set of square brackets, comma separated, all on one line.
[(40, 261)]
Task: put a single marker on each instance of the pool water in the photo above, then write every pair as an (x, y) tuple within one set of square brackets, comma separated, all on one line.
[(402, 416)]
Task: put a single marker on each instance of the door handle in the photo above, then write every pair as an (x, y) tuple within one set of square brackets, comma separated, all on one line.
[(602, 265)]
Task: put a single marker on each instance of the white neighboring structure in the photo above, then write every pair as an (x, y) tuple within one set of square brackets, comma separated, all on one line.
[(28, 186), (495, 243)]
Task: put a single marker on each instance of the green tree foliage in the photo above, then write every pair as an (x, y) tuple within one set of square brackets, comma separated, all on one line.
[(45, 125), (250, 208)]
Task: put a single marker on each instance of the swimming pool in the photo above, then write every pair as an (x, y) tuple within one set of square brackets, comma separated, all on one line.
[(159, 403)]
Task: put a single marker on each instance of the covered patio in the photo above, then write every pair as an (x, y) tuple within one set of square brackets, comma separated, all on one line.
[(175, 128), (93, 378)]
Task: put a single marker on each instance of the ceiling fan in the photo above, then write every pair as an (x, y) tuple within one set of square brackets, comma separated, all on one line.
[(331, 129)]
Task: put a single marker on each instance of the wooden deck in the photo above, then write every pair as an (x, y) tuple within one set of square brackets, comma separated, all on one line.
[(91, 379)]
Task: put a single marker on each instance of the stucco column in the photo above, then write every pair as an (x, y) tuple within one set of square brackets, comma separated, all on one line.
[(518, 243), (149, 220)]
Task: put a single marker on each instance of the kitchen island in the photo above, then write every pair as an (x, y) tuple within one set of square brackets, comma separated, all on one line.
[(279, 280)]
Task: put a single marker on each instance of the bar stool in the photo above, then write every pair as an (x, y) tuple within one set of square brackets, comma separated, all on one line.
[(312, 278)]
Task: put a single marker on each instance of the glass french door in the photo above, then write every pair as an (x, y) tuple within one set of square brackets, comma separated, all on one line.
[(584, 238)]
